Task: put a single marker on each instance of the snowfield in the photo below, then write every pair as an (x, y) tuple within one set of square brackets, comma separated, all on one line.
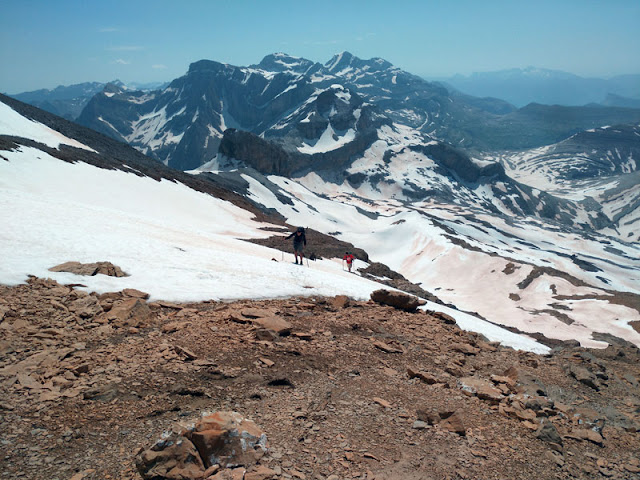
[(451, 252), (181, 245), (14, 124), (175, 243)]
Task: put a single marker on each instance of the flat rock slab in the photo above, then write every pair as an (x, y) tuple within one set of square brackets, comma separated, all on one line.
[(481, 388), (275, 323), (90, 269)]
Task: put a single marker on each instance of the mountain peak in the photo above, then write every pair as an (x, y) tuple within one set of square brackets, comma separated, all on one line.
[(207, 66), (283, 62), (345, 59), (340, 61)]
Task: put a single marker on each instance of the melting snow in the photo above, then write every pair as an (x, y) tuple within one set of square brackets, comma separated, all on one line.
[(327, 141), (14, 124)]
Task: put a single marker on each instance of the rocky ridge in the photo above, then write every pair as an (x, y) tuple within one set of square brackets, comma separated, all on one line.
[(342, 389)]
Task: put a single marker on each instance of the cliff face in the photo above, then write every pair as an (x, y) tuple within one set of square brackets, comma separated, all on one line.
[(266, 157)]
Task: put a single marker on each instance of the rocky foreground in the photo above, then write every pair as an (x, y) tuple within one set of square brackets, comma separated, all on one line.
[(337, 389)]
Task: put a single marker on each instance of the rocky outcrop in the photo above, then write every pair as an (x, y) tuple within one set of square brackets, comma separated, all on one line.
[(90, 269), (229, 440), (460, 164), (266, 157)]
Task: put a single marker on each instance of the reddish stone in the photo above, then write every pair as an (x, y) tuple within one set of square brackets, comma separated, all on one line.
[(481, 388), (174, 458), (399, 300), (454, 424), (227, 439)]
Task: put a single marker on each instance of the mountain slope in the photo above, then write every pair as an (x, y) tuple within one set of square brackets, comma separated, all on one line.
[(519, 272), (598, 168)]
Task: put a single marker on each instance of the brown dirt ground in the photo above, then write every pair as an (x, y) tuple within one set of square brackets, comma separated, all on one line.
[(80, 397)]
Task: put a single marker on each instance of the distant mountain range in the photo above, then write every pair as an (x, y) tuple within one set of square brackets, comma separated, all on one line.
[(521, 86), (68, 101), (284, 100)]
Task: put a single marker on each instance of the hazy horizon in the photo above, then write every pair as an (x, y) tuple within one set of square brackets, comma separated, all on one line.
[(47, 44)]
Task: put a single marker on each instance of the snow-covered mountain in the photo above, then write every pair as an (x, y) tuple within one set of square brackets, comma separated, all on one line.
[(598, 168), (64, 101), (363, 121), (182, 125)]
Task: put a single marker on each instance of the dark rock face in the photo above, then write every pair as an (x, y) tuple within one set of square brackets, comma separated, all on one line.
[(460, 164), (281, 152), (256, 152)]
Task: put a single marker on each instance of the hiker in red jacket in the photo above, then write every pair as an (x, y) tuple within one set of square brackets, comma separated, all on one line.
[(349, 258)]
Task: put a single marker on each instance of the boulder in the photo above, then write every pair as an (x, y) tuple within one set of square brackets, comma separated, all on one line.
[(586, 434), (340, 301), (398, 300), (132, 292), (454, 424), (585, 377), (423, 376), (173, 458), (385, 347), (131, 312), (549, 433), (464, 348), (504, 380), (229, 440), (447, 420), (447, 319)]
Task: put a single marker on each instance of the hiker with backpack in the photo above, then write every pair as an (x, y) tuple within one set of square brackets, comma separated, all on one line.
[(348, 256), (299, 241)]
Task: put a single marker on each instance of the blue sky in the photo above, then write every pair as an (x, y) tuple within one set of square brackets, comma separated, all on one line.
[(45, 43)]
